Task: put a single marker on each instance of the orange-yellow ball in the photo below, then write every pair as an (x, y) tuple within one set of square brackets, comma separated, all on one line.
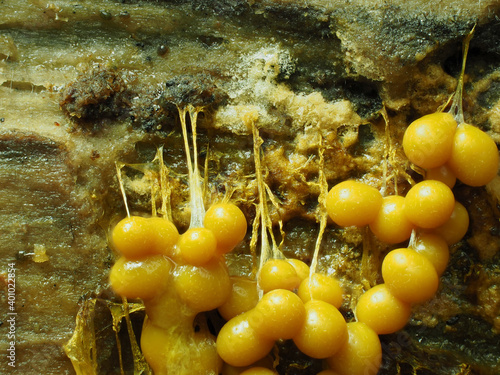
[(278, 274), (391, 224), (456, 227), (165, 235), (203, 288), (353, 203), (132, 237), (474, 157), (258, 371), (428, 141), (197, 246), (409, 275), (244, 297), (228, 225), (301, 268), (434, 248), (279, 315), (324, 330), (321, 287), (140, 278), (442, 173), (379, 309), (361, 355), (429, 204), (238, 343)]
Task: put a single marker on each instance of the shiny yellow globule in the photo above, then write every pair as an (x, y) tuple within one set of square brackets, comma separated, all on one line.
[(429, 204), (227, 223), (279, 315), (140, 278), (428, 141), (409, 275), (442, 173), (456, 227), (173, 295), (353, 203), (165, 235), (132, 237), (278, 274), (324, 330), (361, 355), (238, 344), (328, 372), (434, 248), (243, 297), (135, 237), (380, 310), (391, 224), (205, 287), (197, 246), (474, 156), (321, 287), (301, 268)]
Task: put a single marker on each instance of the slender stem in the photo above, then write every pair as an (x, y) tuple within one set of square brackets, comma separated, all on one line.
[(323, 184), (456, 108), (195, 191), (119, 167)]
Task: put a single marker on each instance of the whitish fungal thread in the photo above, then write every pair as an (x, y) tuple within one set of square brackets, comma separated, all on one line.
[(387, 150), (267, 251), (390, 159), (276, 248), (195, 183), (456, 108), (165, 189), (323, 215), (119, 167)]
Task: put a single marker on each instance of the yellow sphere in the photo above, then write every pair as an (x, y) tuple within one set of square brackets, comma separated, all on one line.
[(324, 331), (197, 246), (321, 287), (353, 203), (434, 248), (238, 343), (380, 310), (409, 275), (279, 315), (474, 157), (278, 274), (140, 278), (429, 204), (228, 225), (361, 355), (244, 297), (391, 224), (456, 227), (203, 288), (428, 141)]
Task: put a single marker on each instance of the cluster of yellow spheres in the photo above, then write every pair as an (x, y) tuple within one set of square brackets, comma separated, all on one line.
[(180, 275), (411, 274), (447, 150), (297, 306), (177, 276)]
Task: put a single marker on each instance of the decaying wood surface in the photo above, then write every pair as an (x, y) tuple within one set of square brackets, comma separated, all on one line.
[(86, 84)]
